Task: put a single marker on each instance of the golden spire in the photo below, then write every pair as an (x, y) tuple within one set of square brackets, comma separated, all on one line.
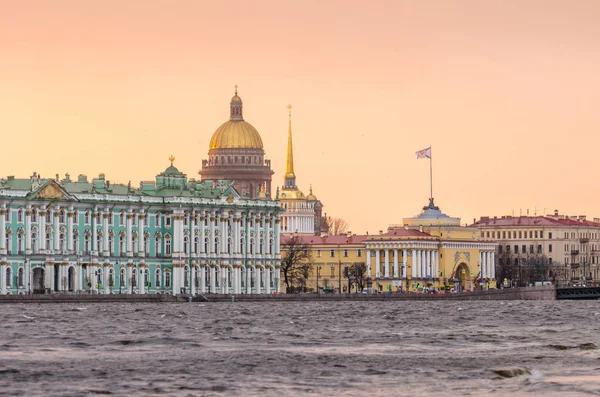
[(171, 159), (290, 177)]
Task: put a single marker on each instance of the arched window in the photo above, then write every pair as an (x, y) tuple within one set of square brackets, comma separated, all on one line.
[(147, 244), (146, 278), (86, 243), (216, 245), (186, 276), (111, 278), (75, 215), (20, 243), (110, 244), (9, 277), (34, 244), (20, 278), (121, 218), (48, 216), (48, 241), (196, 245), (134, 278), (229, 246), (157, 246), (99, 277), (61, 216), (205, 244), (270, 246), (251, 246), (206, 276), (75, 236), (86, 217), (34, 215), (167, 279), (134, 244), (157, 279), (168, 246), (122, 245), (186, 243), (20, 215), (99, 243), (242, 246), (260, 246), (122, 281), (61, 242)]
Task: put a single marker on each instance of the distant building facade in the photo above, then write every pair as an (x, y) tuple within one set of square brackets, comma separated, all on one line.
[(428, 252), (170, 236), (236, 153), (570, 241), (302, 213)]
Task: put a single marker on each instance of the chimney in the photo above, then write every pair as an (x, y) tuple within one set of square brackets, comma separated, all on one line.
[(381, 232), (349, 234), (555, 212)]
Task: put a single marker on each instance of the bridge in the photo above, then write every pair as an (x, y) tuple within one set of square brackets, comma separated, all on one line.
[(563, 293)]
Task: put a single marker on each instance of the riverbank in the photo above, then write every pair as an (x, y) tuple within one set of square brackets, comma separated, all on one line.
[(547, 292)]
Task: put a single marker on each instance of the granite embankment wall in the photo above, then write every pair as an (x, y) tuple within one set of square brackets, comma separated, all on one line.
[(524, 293)]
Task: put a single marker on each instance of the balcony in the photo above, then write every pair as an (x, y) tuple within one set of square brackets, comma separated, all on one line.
[(574, 252), (584, 240)]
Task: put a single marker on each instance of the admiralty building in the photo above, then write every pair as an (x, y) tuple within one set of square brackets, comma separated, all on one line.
[(172, 235)]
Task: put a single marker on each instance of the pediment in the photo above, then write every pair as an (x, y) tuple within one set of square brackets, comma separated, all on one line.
[(53, 191)]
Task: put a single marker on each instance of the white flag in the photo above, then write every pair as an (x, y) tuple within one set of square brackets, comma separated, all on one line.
[(424, 154)]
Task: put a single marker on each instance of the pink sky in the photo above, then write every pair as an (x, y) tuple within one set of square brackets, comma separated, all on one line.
[(506, 92)]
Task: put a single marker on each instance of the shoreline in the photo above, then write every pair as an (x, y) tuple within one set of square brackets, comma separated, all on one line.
[(546, 293)]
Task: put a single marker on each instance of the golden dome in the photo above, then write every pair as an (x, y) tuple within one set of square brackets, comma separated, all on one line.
[(236, 134)]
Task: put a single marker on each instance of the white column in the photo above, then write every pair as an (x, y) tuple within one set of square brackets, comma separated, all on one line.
[(257, 275), (129, 231), (3, 273), (3, 233), (486, 264), (368, 263), (386, 269), (404, 262), (248, 281), (41, 233), (213, 275), (377, 263), (396, 275), (414, 263), (430, 270), (70, 242), (141, 277), (28, 231), (436, 263), (192, 279), (56, 229), (267, 280), (423, 263), (105, 217), (211, 238), (278, 284), (225, 278), (140, 247), (105, 279), (493, 265), (202, 217)]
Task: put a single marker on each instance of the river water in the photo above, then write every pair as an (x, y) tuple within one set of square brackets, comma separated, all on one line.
[(396, 348)]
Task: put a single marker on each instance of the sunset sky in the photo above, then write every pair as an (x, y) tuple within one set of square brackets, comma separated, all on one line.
[(507, 93)]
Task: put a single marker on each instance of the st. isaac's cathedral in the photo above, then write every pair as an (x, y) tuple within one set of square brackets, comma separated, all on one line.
[(172, 235)]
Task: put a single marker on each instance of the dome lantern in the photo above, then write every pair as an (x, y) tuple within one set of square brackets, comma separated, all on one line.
[(235, 107)]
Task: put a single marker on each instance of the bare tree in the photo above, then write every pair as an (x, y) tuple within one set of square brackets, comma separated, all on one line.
[(293, 262), (301, 274), (526, 269), (336, 226), (357, 276)]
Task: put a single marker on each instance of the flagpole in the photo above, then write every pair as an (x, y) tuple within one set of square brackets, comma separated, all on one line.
[(430, 174)]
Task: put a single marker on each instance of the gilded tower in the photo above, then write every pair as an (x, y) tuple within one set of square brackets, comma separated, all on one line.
[(302, 213), (236, 153)]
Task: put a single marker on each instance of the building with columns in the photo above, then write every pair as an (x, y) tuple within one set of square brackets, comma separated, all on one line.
[(236, 153), (302, 213), (169, 236), (429, 251)]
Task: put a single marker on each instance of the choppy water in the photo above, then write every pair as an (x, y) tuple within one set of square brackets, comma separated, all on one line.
[(301, 349)]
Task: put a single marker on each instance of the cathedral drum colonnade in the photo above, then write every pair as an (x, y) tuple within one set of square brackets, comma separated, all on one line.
[(173, 235)]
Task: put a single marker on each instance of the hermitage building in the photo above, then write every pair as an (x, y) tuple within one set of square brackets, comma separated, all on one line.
[(173, 235)]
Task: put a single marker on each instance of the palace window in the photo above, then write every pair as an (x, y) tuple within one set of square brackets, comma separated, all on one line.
[(20, 216), (110, 218), (61, 242), (205, 244), (86, 217), (110, 244), (147, 245), (146, 220), (270, 246), (122, 218), (359, 253), (251, 246), (122, 245), (34, 215), (157, 246), (7, 215), (168, 246), (318, 253), (196, 245), (157, 279), (185, 220), (75, 243), (134, 278), (134, 244), (345, 253), (9, 277), (242, 251), (229, 246), (216, 245), (20, 244), (48, 241), (61, 216), (99, 243), (86, 243), (168, 221), (332, 253), (260, 246), (167, 279), (531, 249), (539, 249), (549, 247), (186, 243), (34, 244), (186, 276), (524, 249), (157, 220), (20, 278), (332, 271)]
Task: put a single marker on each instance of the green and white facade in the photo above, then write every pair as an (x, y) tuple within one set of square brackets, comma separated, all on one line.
[(169, 236)]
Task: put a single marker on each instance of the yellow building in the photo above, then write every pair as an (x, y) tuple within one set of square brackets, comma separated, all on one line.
[(431, 251)]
